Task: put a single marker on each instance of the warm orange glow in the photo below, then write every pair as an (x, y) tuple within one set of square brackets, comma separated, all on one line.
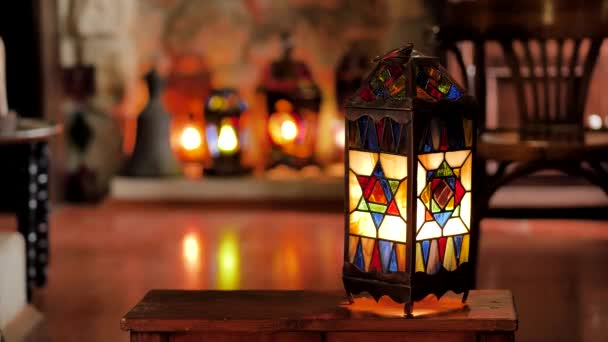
[(190, 249), (339, 134), (190, 139), (283, 128), (228, 259), (227, 141)]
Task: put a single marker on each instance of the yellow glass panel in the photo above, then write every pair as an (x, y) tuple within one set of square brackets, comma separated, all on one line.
[(425, 196), (456, 172), (464, 250), (361, 224), (394, 166), (428, 231), (431, 161), (421, 179), (353, 241), (465, 209), (450, 205), (393, 228), (401, 199), (454, 226), (368, 249), (449, 258), (455, 159), (420, 211), (419, 260), (465, 174), (400, 249), (355, 191), (362, 163)]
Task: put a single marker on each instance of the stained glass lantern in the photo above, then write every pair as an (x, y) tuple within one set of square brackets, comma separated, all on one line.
[(293, 100), (224, 134), (410, 137)]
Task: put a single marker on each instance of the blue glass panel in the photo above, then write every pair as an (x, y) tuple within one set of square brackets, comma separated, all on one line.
[(454, 93), (442, 217), (452, 182), (363, 122), (387, 189), (429, 175), (385, 253), (359, 259), (388, 141), (378, 171), (372, 137), (392, 265), (377, 217), (397, 133), (426, 244), (458, 244)]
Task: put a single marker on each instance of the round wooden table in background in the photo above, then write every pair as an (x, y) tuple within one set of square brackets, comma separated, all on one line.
[(24, 179)]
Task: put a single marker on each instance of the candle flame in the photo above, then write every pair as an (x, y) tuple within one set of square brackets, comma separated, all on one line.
[(190, 139), (227, 141), (289, 130)]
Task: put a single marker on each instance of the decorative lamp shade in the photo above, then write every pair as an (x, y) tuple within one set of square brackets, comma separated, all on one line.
[(223, 131), (293, 100), (410, 146)]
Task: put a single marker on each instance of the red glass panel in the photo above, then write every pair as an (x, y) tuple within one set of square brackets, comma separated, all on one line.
[(375, 264)]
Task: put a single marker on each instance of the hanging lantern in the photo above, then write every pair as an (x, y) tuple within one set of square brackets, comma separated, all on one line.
[(410, 137), (224, 134), (292, 102)]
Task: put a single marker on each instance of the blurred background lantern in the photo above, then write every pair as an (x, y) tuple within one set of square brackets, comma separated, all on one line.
[(225, 135), (409, 173), (293, 101)]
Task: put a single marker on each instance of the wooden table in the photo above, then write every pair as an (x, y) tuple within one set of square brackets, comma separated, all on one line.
[(174, 315), (24, 179)]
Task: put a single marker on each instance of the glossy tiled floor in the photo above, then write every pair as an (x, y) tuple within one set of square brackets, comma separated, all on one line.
[(105, 258)]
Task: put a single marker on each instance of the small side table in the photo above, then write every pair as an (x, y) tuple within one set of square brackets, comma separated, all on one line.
[(174, 315), (24, 179)]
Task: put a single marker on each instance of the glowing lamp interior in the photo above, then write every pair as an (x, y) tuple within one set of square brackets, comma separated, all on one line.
[(190, 139), (227, 141), (283, 128)]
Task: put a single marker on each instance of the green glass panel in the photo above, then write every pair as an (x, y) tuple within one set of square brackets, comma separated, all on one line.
[(444, 170), (394, 184), (456, 212), (362, 205), (378, 208), (434, 207)]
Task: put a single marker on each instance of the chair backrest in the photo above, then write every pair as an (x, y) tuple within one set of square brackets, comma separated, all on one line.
[(550, 64)]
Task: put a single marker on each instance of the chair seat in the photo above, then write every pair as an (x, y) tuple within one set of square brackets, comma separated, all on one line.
[(508, 146)]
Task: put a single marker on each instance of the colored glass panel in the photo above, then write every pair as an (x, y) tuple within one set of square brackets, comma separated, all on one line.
[(387, 189), (450, 205), (456, 172), (394, 166), (435, 132), (401, 199), (465, 174), (434, 207), (419, 260), (451, 182), (442, 217), (420, 179), (449, 258), (359, 258), (366, 94), (454, 93), (456, 212), (397, 132), (420, 214), (386, 248), (400, 249), (464, 250), (443, 145), (425, 196), (394, 184), (434, 263), (442, 242), (429, 230), (457, 158), (372, 137), (387, 140), (377, 195), (444, 170), (362, 122), (361, 223), (375, 264), (354, 137), (362, 205), (353, 244), (367, 191), (468, 132), (392, 266), (380, 129), (426, 246), (454, 226), (378, 172), (392, 209), (362, 163), (457, 245), (465, 209), (355, 192), (442, 193), (393, 228), (428, 216), (377, 218), (458, 193), (368, 249), (363, 180), (431, 161), (377, 208)]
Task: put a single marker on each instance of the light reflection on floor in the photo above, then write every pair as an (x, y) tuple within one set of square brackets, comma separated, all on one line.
[(105, 258)]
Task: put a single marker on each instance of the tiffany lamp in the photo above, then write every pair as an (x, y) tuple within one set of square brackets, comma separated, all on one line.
[(223, 132), (410, 137), (292, 101)]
